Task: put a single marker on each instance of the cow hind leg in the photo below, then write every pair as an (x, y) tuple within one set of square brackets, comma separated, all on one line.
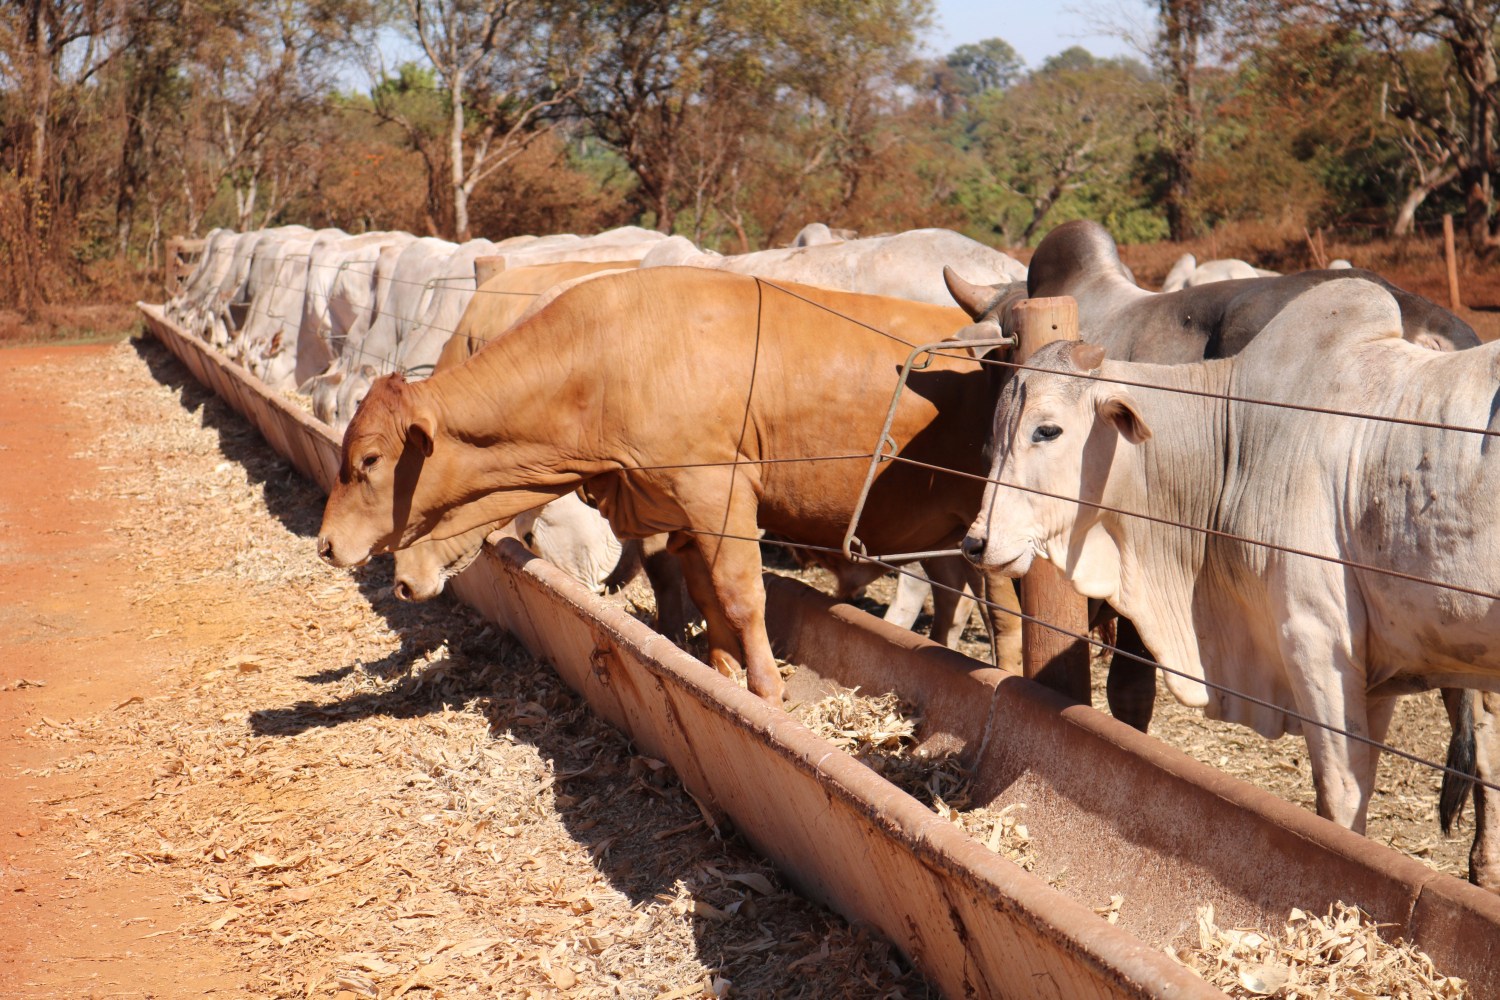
[(951, 601), (1484, 857), (1002, 614), (911, 593), (1131, 685), (675, 610)]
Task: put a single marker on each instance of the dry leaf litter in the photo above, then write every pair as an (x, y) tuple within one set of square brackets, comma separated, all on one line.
[(1339, 956), (880, 731), (357, 797)]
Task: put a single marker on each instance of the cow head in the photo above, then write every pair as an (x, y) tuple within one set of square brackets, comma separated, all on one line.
[(1054, 435), (381, 497), (424, 566)]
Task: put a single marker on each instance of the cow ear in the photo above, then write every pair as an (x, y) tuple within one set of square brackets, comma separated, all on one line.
[(977, 332), (420, 433), (1119, 409)]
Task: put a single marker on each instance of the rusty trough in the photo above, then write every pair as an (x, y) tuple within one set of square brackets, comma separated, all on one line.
[(1109, 810)]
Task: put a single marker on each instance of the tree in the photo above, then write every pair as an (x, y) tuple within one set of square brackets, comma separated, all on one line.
[(980, 67), (1458, 135), (503, 74), (1185, 25), (1075, 124)]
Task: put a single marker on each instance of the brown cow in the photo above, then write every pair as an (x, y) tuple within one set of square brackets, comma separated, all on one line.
[(699, 403), (425, 566)]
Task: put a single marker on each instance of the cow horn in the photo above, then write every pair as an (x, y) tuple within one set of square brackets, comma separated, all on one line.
[(1086, 357), (976, 300)]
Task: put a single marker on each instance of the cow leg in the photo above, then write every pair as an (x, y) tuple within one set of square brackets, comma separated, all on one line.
[(1131, 684), (1328, 682), (724, 649), (951, 601), (728, 577), (911, 593), (1002, 614), (1484, 857), (674, 606)]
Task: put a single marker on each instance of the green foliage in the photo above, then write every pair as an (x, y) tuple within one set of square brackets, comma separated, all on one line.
[(984, 66)]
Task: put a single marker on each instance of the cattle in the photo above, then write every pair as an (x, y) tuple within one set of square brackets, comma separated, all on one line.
[(905, 265), (228, 305), (419, 574), (1080, 259), (753, 372), (1187, 272), (340, 293), (187, 307), (1206, 321), (423, 568), (1234, 602)]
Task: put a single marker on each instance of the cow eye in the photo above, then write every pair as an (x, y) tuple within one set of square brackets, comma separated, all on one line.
[(368, 462), (1046, 432)]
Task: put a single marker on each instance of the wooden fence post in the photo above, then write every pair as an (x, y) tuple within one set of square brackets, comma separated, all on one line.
[(486, 268), (1047, 655), (1451, 255)]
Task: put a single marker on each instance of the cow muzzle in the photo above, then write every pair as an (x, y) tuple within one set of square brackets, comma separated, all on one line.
[(329, 554), (982, 552)]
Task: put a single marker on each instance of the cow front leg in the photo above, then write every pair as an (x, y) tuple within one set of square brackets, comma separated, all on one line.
[(675, 612), (735, 588), (1328, 684), (912, 589), (1131, 685)]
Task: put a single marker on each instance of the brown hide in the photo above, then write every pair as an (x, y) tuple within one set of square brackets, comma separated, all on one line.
[(501, 300)]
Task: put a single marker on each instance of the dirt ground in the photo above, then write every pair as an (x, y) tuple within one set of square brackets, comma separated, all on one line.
[(228, 770)]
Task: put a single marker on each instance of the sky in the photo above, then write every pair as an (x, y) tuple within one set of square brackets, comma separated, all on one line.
[(1038, 28)]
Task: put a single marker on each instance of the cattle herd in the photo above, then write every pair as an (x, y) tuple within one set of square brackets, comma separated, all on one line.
[(1282, 485)]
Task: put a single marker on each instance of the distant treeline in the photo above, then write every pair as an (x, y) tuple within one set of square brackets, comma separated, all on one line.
[(733, 122)]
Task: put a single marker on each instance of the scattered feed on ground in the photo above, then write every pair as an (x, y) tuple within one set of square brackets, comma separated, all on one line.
[(349, 795)]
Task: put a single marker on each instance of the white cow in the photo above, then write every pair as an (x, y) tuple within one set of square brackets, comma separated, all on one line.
[(340, 292), (1187, 272), (229, 305), (187, 307), (1336, 643), (905, 266)]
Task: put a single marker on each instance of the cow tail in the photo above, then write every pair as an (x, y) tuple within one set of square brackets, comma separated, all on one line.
[(1455, 791)]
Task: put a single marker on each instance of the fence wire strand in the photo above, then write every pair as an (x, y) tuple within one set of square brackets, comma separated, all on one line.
[(387, 363)]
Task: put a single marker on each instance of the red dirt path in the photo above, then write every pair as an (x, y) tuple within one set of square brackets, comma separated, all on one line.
[(68, 622)]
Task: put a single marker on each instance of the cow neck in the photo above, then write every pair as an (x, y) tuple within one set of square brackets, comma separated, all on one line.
[(500, 412), (1178, 475)]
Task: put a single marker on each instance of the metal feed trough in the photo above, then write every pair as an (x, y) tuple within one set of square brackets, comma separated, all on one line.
[(1118, 811)]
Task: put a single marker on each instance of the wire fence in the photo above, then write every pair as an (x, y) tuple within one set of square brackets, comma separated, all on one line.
[(386, 363)]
